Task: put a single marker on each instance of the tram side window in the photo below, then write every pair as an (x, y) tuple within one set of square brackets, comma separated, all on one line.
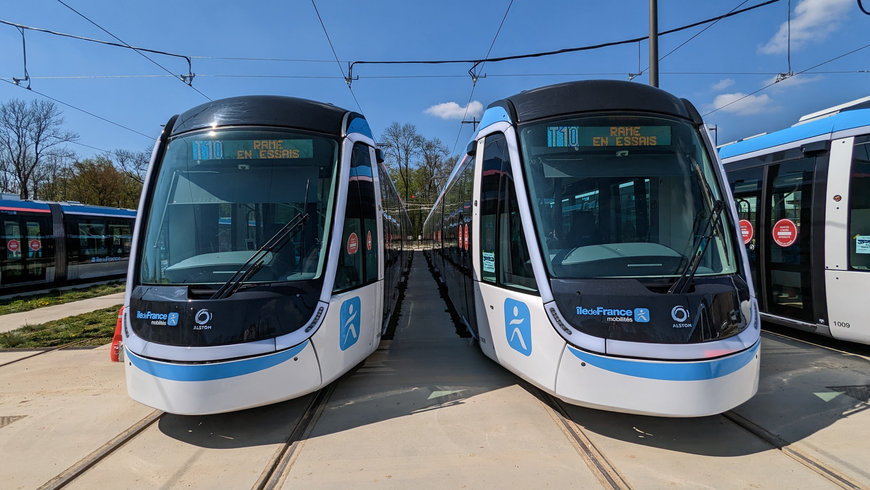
[(12, 240), (87, 239), (504, 254), (859, 206), (358, 259)]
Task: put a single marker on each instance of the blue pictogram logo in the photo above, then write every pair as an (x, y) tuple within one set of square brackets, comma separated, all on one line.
[(518, 326), (641, 315), (350, 322), (172, 319)]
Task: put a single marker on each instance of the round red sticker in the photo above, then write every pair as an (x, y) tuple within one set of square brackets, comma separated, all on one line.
[(352, 244), (785, 232), (35, 245), (466, 237), (369, 240), (13, 245), (746, 230)]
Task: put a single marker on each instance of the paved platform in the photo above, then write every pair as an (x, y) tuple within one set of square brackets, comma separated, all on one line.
[(56, 312), (428, 410)]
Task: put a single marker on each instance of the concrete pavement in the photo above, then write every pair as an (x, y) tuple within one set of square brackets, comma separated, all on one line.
[(56, 312)]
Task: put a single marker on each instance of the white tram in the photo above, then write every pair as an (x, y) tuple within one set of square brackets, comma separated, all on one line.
[(266, 256), (590, 243)]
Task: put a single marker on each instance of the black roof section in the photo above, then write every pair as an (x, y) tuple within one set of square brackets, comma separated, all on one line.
[(263, 110), (595, 96)]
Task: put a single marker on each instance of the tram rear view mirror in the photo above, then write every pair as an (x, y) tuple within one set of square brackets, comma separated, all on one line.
[(379, 155), (472, 147)]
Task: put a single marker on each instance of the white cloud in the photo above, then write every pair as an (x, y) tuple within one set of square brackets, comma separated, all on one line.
[(812, 21), (723, 84), (452, 110), (742, 104)]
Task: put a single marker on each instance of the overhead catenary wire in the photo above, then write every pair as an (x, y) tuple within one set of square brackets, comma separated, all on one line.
[(332, 47), (778, 80), (476, 76), (150, 137), (456, 76), (476, 62), (136, 50), (107, 43), (687, 41)]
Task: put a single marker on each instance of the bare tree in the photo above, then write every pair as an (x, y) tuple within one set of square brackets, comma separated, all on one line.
[(401, 144), (29, 134), (436, 166), (133, 163), (49, 173)]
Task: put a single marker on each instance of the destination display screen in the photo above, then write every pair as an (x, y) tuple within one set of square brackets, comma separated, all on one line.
[(604, 136), (261, 149)]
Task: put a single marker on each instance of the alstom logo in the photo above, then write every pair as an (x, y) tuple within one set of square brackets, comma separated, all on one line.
[(148, 315)]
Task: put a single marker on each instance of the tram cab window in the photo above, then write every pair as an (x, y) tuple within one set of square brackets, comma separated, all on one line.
[(623, 196), (504, 254), (221, 195), (859, 206)]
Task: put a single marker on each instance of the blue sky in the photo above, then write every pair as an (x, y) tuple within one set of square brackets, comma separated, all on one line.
[(731, 59)]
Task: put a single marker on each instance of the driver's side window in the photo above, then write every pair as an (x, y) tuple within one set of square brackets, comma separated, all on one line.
[(504, 253)]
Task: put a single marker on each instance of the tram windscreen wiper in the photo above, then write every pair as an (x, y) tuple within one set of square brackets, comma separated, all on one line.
[(709, 230), (255, 263)]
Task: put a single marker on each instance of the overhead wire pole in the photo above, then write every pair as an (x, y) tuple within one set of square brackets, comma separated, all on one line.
[(653, 43)]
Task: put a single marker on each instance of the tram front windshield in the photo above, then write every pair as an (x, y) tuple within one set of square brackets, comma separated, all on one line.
[(221, 195), (625, 196)]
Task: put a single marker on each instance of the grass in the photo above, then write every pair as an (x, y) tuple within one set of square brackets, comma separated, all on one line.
[(56, 297), (97, 326)]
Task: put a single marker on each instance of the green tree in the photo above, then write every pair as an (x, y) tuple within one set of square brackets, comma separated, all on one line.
[(95, 181)]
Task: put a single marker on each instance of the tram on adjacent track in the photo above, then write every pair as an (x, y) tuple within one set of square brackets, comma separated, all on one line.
[(267, 255), (589, 242), (803, 198), (48, 244)]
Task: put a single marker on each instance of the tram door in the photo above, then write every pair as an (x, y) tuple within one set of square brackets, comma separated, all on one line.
[(790, 255), (746, 186), (27, 251)]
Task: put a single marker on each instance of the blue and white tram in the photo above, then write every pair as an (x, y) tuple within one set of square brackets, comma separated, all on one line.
[(589, 241), (803, 198), (52, 243), (265, 256)]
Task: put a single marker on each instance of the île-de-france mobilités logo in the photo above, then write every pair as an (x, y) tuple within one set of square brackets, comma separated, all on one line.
[(350, 322), (518, 326)]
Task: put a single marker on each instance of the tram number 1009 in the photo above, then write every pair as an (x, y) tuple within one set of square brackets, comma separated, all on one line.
[(841, 324)]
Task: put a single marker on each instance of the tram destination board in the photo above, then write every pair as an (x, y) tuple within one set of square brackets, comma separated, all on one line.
[(262, 149), (600, 136)]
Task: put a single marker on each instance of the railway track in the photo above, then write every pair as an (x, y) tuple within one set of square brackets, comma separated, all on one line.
[(796, 452), (273, 475), (610, 477), (46, 351)]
